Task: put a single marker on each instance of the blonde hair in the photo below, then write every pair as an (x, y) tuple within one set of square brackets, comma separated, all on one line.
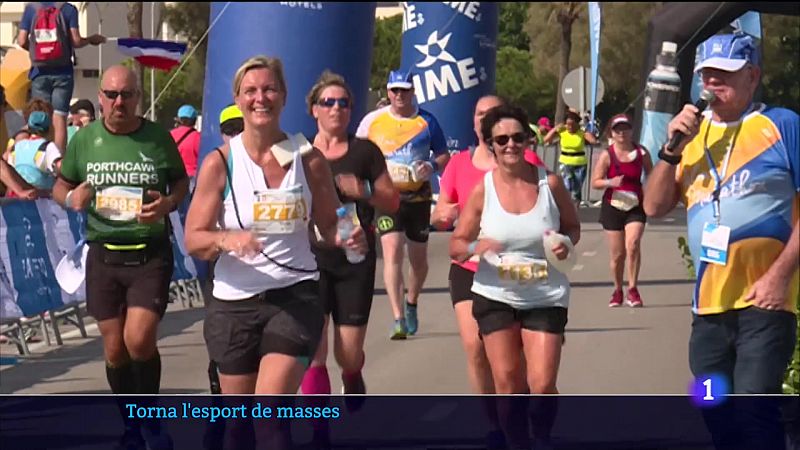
[(259, 62), (326, 80)]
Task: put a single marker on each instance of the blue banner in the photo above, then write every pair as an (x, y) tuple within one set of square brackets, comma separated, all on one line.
[(308, 37), (34, 236), (451, 50), (595, 24)]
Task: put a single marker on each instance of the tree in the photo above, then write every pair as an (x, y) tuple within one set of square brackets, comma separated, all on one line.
[(190, 20), (781, 40), (511, 26), (387, 47), (566, 13), (521, 85), (135, 31)]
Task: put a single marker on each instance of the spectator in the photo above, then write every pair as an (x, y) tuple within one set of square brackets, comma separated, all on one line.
[(51, 74), (231, 122), (35, 157), (572, 161), (35, 104), (81, 114), (187, 138)]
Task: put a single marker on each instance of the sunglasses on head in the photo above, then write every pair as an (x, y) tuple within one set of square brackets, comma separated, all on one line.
[(328, 102), (518, 138), (112, 95)]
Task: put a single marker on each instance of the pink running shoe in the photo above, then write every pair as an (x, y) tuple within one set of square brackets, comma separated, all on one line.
[(634, 299), (616, 299)]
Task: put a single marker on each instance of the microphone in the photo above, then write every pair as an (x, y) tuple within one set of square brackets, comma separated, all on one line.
[(706, 97)]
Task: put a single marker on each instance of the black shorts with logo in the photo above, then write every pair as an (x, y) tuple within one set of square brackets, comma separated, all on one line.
[(288, 321), (116, 280), (493, 316), (614, 219), (412, 217)]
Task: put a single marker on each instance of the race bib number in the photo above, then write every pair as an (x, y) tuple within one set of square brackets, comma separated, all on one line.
[(400, 173), (120, 203), (714, 244), (624, 200), (517, 269), (277, 211)]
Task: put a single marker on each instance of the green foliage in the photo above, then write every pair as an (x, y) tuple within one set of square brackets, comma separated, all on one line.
[(511, 33), (781, 45), (387, 46), (521, 85)]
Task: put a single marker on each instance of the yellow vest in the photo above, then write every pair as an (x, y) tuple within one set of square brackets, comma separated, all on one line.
[(572, 148)]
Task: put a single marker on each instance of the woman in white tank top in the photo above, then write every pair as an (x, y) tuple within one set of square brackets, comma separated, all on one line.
[(520, 301), (253, 209)]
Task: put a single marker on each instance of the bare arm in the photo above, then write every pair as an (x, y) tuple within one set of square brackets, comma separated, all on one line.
[(203, 239), (22, 39), (385, 198), (442, 161), (789, 260), (600, 171), (79, 41), (323, 191), (590, 138), (551, 135), (661, 192), (570, 225), (16, 183), (60, 190), (444, 212), (469, 225)]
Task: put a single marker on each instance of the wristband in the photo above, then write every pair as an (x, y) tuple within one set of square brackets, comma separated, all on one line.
[(471, 247), (669, 159), (67, 199), (367, 189)]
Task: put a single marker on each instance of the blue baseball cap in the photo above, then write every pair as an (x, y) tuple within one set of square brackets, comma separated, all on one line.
[(39, 121), (398, 79), (187, 112), (728, 52)]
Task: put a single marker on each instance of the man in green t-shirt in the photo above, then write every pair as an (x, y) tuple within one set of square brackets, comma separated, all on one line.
[(127, 173)]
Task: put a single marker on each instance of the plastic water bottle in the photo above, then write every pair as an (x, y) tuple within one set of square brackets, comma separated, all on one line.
[(345, 227), (662, 99), (551, 239)]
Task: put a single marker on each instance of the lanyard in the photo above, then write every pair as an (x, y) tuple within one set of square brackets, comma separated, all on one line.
[(719, 177)]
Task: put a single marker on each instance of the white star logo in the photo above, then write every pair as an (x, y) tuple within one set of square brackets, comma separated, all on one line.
[(443, 55)]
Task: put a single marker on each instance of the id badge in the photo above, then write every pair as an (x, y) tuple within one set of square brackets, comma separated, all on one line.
[(714, 245)]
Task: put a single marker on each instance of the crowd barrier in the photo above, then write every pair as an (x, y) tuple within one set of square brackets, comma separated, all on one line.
[(34, 236)]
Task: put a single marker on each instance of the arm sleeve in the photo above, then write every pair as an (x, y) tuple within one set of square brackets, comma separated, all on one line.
[(69, 164), (438, 141), (70, 15), (27, 19), (377, 163), (363, 127)]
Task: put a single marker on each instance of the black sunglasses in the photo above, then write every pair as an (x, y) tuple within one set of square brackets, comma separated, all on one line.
[(518, 138), (328, 102), (112, 95), (398, 90)]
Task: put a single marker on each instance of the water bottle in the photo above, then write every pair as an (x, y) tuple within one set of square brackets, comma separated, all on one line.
[(345, 226), (662, 99)]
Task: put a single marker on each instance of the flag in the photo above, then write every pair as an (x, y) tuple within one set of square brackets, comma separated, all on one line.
[(153, 53), (594, 43)]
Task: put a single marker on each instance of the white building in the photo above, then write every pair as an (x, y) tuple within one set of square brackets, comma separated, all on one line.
[(107, 18)]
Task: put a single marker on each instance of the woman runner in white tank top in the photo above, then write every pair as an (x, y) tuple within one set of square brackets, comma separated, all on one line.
[(521, 303), (255, 205)]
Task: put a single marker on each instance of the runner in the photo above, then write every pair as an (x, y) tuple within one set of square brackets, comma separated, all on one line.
[(619, 171), (265, 188), (128, 174), (406, 135), (347, 289)]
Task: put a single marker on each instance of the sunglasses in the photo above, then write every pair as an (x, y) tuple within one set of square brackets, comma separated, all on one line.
[(398, 90), (112, 95), (328, 102), (518, 138)]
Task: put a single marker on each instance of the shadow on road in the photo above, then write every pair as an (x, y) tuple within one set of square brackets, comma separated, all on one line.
[(45, 366)]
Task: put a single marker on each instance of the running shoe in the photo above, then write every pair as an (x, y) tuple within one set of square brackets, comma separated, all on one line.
[(411, 318), (634, 299), (399, 331), (616, 299)]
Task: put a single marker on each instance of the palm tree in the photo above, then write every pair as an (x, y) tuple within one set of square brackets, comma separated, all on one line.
[(565, 13), (135, 31)]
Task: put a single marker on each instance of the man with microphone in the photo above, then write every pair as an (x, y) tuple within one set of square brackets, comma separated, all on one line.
[(736, 168)]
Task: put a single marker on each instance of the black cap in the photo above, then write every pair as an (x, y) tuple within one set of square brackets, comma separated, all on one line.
[(82, 104)]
